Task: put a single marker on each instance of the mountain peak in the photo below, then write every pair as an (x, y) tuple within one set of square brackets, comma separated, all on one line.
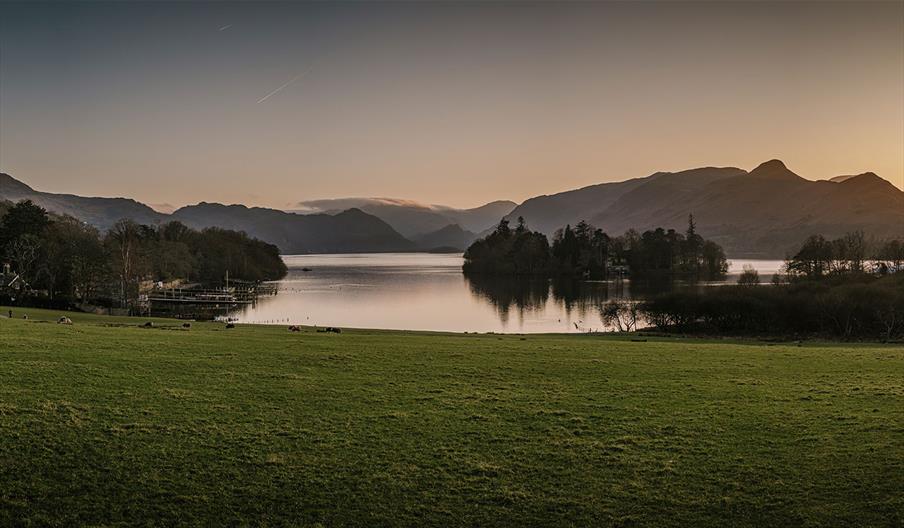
[(352, 212), (771, 165), (10, 184), (774, 169), (867, 179)]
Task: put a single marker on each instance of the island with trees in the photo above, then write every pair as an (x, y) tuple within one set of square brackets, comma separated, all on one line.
[(586, 252)]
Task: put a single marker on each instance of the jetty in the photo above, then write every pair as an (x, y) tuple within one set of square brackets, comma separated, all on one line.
[(199, 302)]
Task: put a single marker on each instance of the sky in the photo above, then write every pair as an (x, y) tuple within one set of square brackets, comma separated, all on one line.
[(273, 103)]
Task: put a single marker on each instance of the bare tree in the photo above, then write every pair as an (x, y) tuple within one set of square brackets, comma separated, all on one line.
[(125, 238), (25, 252), (621, 314)]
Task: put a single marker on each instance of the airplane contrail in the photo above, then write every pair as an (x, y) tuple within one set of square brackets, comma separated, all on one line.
[(276, 91), (224, 28)]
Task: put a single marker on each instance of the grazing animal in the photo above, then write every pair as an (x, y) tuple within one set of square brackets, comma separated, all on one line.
[(330, 329), (230, 325), (148, 325), (64, 320), (294, 328), (186, 325)]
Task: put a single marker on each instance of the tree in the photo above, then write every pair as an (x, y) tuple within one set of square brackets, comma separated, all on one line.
[(56, 260), (503, 230), (715, 264), (813, 259), (124, 241), (24, 251), (24, 218), (90, 267), (621, 314), (853, 250), (521, 227), (693, 246), (21, 241), (892, 255), (749, 277)]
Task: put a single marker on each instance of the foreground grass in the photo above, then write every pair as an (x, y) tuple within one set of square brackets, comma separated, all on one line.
[(104, 423)]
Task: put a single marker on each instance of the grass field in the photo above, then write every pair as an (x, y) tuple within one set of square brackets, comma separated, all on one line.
[(105, 423)]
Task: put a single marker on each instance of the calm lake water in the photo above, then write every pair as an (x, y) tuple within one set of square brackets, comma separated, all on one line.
[(422, 291)]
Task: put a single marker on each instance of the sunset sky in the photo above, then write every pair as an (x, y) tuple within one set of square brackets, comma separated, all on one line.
[(453, 103)]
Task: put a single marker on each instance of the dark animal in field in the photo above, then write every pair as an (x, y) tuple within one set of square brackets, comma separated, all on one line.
[(294, 328), (186, 325), (230, 325), (330, 329), (148, 325)]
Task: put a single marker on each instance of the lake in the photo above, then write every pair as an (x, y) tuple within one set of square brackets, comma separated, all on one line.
[(423, 291)]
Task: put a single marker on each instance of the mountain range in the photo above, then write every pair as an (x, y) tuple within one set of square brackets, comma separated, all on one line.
[(335, 230), (764, 213), (413, 219)]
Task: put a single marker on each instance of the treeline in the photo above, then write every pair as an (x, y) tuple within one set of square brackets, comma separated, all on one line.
[(846, 288), (65, 260), (853, 253), (587, 252)]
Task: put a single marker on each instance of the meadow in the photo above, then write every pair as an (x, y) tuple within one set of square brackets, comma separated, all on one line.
[(104, 423)]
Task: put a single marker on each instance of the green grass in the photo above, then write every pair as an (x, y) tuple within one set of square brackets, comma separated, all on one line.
[(105, 423)]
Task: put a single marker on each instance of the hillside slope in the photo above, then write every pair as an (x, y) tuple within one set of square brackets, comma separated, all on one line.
[(765, 213), (451, 236), (413, 219), (99, 212), (345, 232), (350, 231)]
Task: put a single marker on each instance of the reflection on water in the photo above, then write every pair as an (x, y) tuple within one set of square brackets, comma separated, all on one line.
[(577, 303), (421, 291)]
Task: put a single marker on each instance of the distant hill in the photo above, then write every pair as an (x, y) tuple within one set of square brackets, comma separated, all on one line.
[(348, 231), (765, 213), (546, 213), (413, 219), (344, 232), (99, 212), (450, 237)]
